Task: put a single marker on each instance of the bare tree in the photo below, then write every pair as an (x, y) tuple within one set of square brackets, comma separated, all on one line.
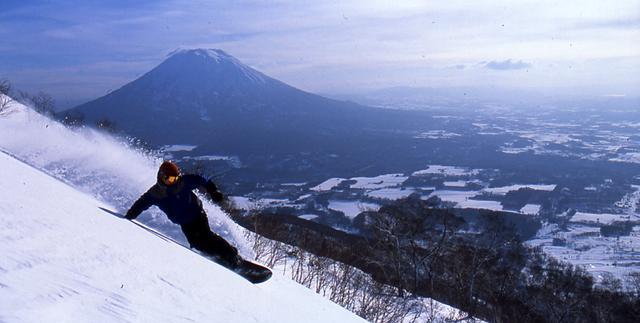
[(5, 99), (345, 285), (5, 86), (43, 103), (633, 283)]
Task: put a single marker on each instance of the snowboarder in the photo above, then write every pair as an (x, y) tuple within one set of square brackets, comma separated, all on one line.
[(173, 194)]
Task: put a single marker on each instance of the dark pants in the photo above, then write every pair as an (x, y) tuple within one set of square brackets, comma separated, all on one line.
[(200, 237)]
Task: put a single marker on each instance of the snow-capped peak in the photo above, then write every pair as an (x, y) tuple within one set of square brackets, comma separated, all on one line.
[(213, 53), (219, 56)]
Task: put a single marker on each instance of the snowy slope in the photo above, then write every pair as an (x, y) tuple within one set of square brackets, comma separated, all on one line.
[(100, 165), (65, 260)]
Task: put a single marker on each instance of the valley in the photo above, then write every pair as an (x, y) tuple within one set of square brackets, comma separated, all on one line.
[(493, 159)]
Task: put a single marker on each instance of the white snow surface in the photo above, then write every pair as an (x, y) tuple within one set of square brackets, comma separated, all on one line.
[(98, 164), (328, 184), (585, 246), (65, 260), (455, 183), (503, 190), (633, 157), (371, 183), (437, 134), (531, 209), (446, 171), (604, 218), (464, 199), (381, 181), (308, 216), (219, 56), (352, 208), (393, 193)]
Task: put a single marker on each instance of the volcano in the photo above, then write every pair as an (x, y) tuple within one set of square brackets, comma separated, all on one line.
[(200, 95)]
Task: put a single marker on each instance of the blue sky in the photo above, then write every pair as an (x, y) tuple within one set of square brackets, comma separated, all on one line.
[(79, 50)]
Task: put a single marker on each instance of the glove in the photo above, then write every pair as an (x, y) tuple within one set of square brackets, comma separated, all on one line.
[(216, 196)]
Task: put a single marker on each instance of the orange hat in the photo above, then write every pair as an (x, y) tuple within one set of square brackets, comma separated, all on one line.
[(168, 168)]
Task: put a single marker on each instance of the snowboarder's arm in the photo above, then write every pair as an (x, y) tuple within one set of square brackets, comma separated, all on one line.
[(199, 182), (144, 202), (211, 188)]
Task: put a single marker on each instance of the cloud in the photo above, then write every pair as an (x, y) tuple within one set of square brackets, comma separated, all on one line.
[(321, 45), (507, 65), (623, 23)]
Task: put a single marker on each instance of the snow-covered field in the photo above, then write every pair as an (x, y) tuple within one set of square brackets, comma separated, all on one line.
[(382, 181), (447, 171), (328, 184), (506, 189), (455, 183), (308, 216), (463, 199), (601, 138), (629, 202), (582, 244), (530, 209), (393, 193), (604, 218), (628, 158), (352, 208), (371, 183), (437, 134)]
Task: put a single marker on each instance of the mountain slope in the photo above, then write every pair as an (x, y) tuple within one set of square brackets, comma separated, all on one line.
[(198, 94), (65, 260), (209, 99)]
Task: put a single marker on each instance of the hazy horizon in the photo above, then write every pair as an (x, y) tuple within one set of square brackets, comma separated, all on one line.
[(81, 51)]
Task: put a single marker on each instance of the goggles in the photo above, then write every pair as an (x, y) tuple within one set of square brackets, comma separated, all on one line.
[(170, 180)]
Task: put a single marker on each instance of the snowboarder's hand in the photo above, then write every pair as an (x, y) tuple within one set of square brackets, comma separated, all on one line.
[(216, 196)]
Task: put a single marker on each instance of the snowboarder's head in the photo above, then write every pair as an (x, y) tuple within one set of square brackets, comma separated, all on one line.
[(168, 173)]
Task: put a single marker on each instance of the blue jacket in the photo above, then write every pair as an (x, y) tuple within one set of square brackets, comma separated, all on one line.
[(178, 200)]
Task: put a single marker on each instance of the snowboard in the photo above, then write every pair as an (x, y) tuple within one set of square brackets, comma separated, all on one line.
[(251, 271)]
